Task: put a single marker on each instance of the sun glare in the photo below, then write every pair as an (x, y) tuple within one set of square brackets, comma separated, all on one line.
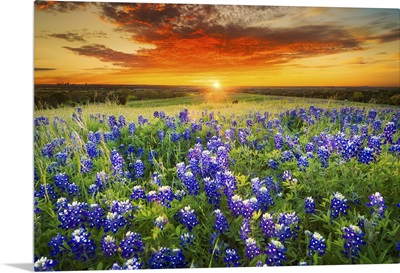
[(216, 85)]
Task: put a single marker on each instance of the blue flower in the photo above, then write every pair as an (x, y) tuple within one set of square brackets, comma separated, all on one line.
[(264, 198), (117, 162), (278, 141), (366, 155), (273, 164), (191, 184), (95, 216), (131, 264), (338, 205), (166, 258), (113, 222), (108, 246), (267, 225), (165, 196), (275, 253), (57, 244), (132, 128), (139, 169), (377, 203), (188, 218), (309, 205), (232, 258), (211, 189), (138, 193), (73, 216), (131, 245), (251, 248), (235, 205), (160, 222), (44, 264), (317, 244), (86, 165), (186, 239), (81, 246), (353, 241), (245, 229)]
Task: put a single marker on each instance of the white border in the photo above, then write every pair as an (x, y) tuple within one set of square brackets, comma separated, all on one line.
[(16, 105)]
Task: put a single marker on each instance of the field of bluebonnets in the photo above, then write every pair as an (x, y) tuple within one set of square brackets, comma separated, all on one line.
[(216, 185)]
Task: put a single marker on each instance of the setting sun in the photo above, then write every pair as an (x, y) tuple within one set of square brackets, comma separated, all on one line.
[(216, 85)]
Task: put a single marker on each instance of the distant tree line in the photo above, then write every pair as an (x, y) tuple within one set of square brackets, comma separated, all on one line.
[(377, 95), (53, 97)]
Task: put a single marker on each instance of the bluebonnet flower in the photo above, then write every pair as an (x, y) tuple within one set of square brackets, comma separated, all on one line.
[(117, 162), (152, 196), (181, 170), (275, 253), (316, 244), (310, 147), (267, 225), (186, 239), (338, 205), (81, 246), (376, 126), (287, 176), (278, 141), (211, 189), (92, 150), (264, 198), (130, 264), (175, 137), (252, 249), (235, 205), (247, 209), (95, 216), (131, 245), (323, 156), (166, 258), (48, 150), (245, 229), (221, 223), (122, 121), (139, 169), (232, 258), (156, 179), (302, 163), (108, 246), (288, 225), (113, 222), (377, 203), (179, 194), (353, 241), (57, 244), (222, 157), (366, 155), (286, 156), (161, 134), (388, 132), (188, 218), (73, 216), (44, 190), (309, 205), (102, 180), (121, 207), (138, 193), (94, 137), (62, 158), (186, 134), (41, 120), (44, 264), (160, 222), (228, 180), (395, 148), (132, 128), (108, 136), (273, 164), (191, 184), (116, 132), (86, 165), (61, 204)]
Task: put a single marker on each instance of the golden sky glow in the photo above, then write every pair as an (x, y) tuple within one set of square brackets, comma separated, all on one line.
[(124, 43)]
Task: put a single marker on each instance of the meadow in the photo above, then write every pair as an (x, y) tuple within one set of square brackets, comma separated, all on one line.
[(201, 182)]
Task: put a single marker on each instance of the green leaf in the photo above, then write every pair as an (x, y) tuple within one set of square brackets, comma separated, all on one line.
[(99, 266)]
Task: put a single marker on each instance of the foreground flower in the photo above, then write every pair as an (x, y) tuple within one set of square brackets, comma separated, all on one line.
[(267, 225), (81, 246), (309, 205), (188, 218), (221, 223), (231, 258), (251, 248), (166, 258), (108, 246), (353, 241), (160, 222), (377, 203), (131, 245), (186, 239), (275, 253), (131, 264), (338, 205), (44, 264), (317, 244)]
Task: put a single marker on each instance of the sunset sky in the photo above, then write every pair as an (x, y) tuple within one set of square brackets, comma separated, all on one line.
[(126, 43)]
